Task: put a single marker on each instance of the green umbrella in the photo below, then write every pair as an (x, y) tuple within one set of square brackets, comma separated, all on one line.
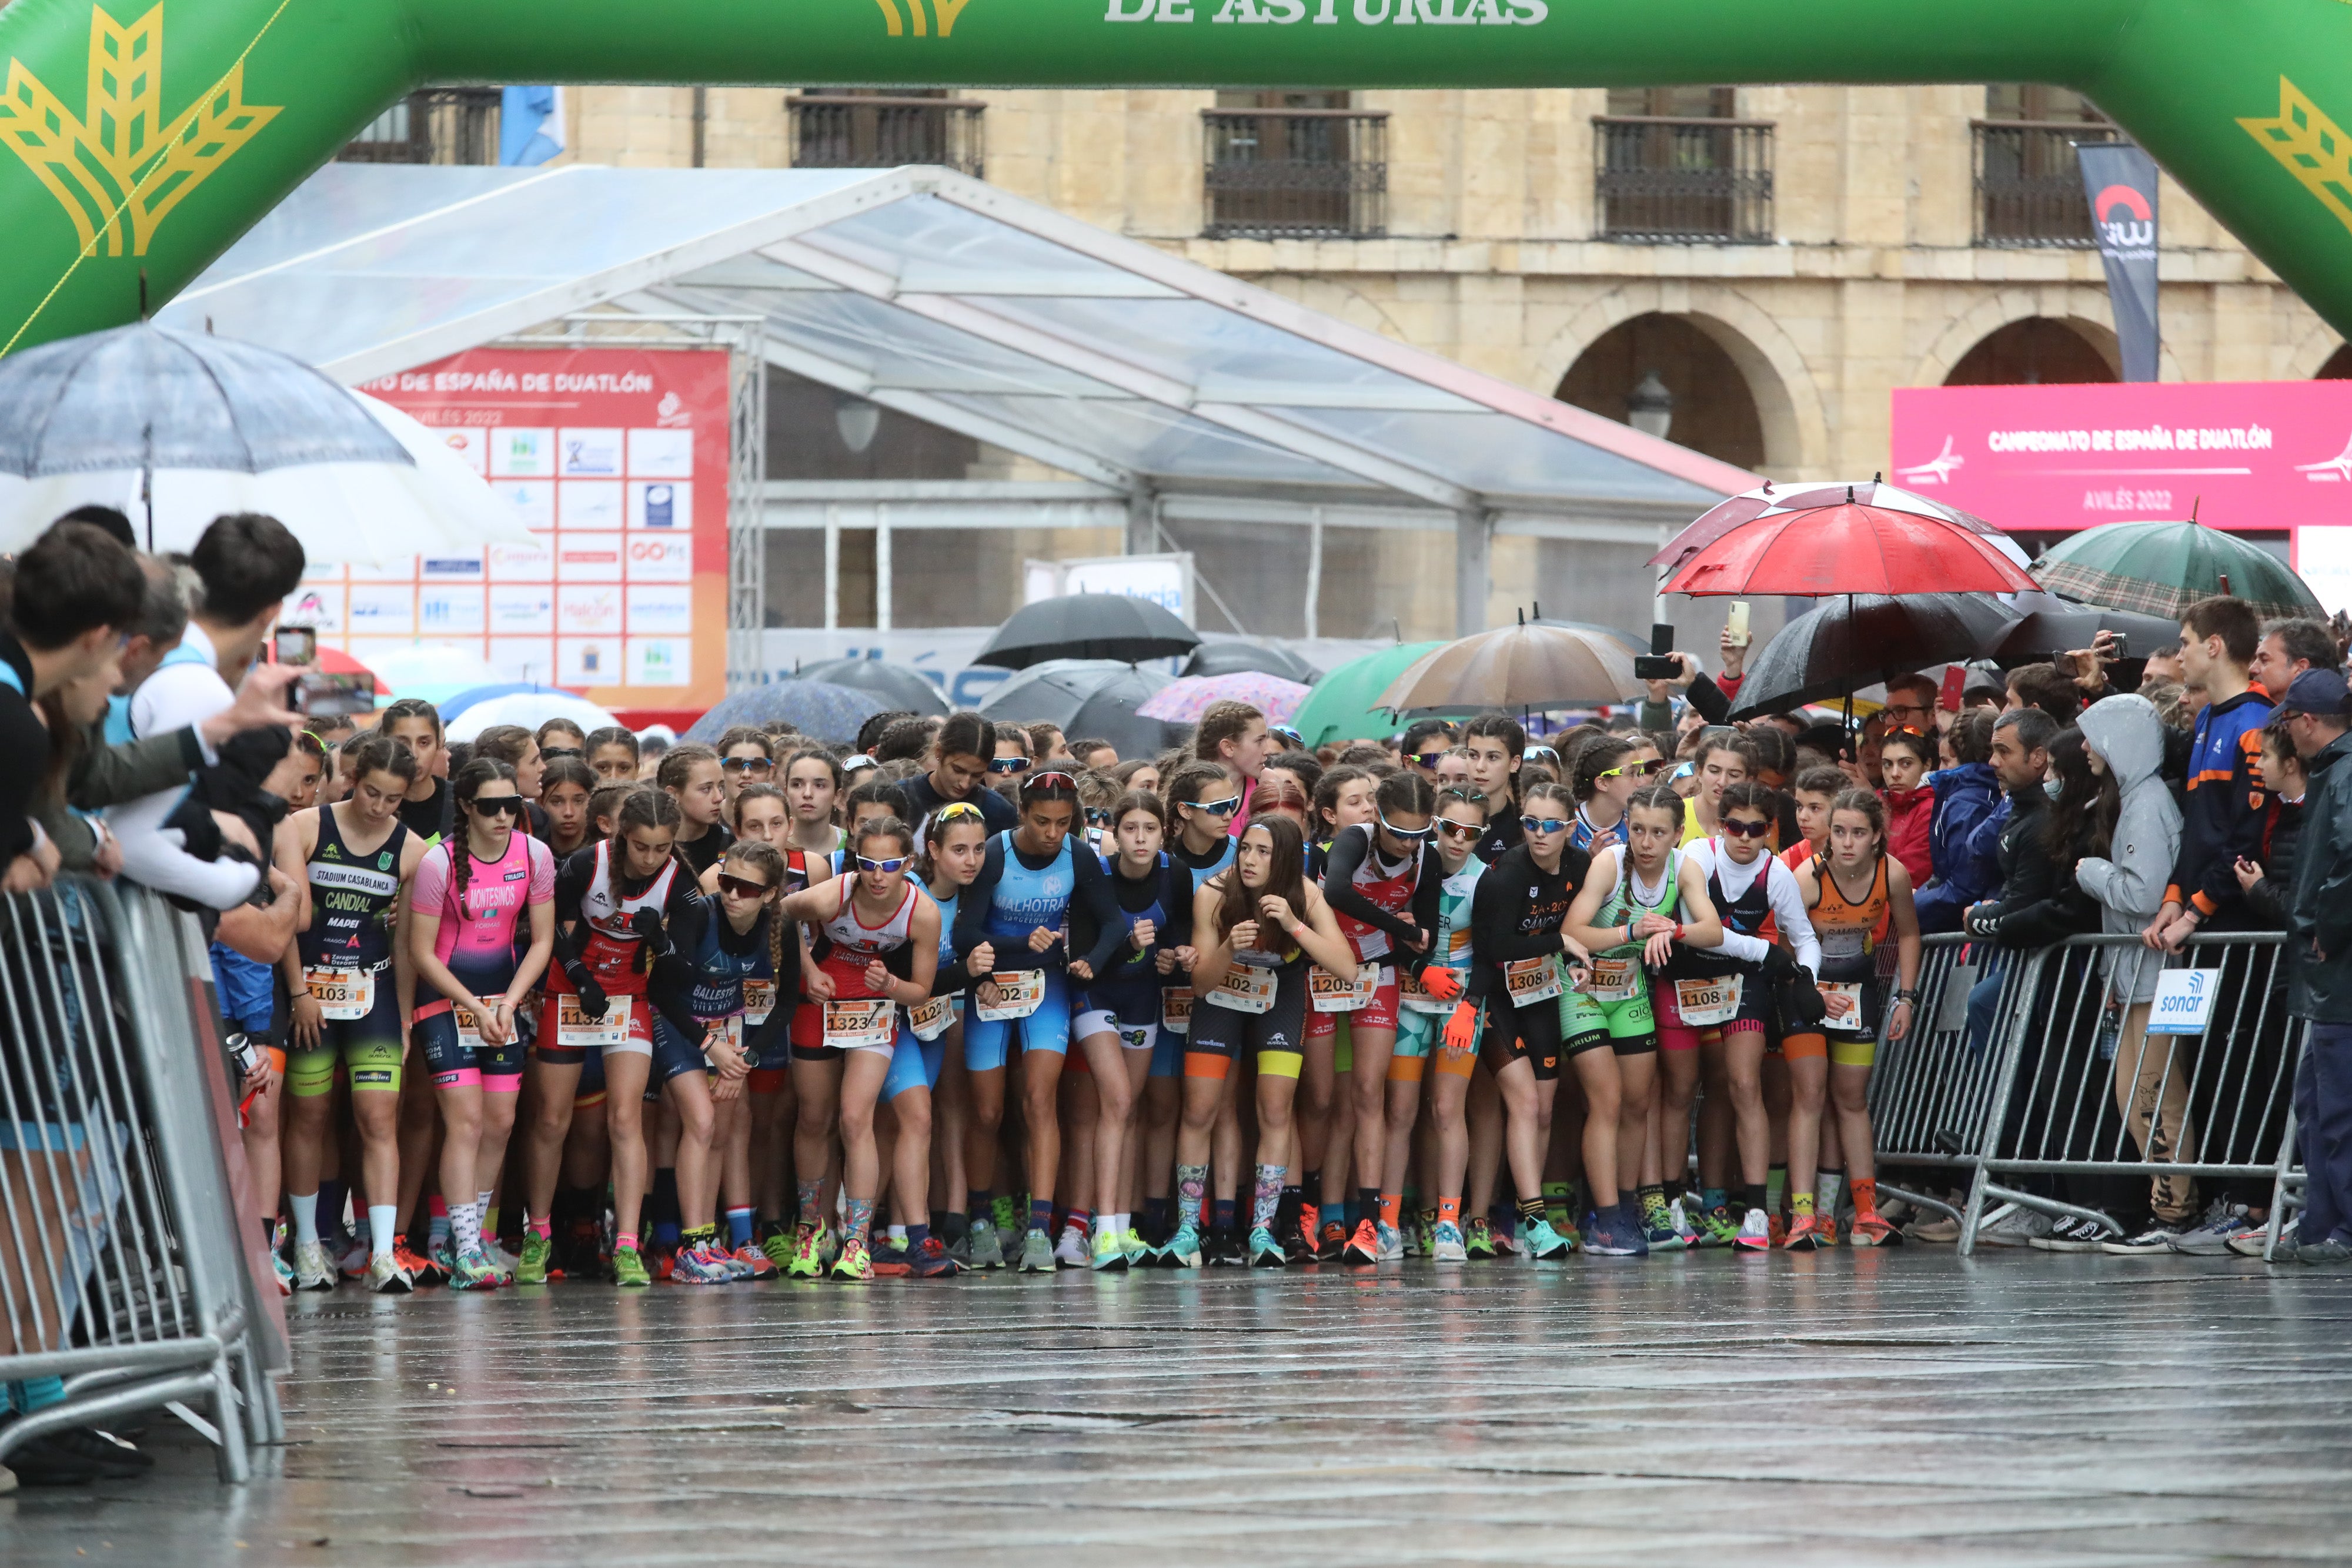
[(2162, 568), (1341, 705)]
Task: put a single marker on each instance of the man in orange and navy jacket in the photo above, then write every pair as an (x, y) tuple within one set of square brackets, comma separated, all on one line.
[(2226, 804)]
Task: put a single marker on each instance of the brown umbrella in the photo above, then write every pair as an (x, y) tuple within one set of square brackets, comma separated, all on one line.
[(1517, 667)]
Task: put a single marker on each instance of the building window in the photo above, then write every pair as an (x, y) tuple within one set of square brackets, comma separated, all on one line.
[(2029, 186), (1295, 164), (436, 125), (858, 128), (1673, 166)]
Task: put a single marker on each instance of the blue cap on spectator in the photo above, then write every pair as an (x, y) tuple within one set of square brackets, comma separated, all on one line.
[(2317, 692)]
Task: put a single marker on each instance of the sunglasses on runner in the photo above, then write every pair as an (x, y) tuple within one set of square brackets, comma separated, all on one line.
[(1271, 799), (1097, 817), (1007, 763), (1224, 808), (885, 867), (741, 886), (746, 764), (955, 809), (1410, 835), (499, 805), (1739, 830), (1539, 753), (1427, 760), (1458, 830), (1632, 769), (1297, 741), (1544, 824), (1050, 779), (549, 753)]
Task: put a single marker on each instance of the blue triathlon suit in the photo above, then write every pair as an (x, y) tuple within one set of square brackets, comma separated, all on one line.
[(1022, 900), (914, 1064), (724, 963)]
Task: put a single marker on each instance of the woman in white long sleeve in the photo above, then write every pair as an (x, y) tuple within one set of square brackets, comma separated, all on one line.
[(1719, 999)]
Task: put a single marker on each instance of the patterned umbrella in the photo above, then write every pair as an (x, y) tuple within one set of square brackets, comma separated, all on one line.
[(828, 712), (1184, 700), (2162, 568)]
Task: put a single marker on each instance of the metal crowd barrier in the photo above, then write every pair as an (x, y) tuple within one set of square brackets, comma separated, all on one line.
[(2035, 1062), (124, 1267)]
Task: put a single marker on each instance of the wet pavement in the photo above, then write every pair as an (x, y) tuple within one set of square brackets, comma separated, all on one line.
[(2018, 1409)]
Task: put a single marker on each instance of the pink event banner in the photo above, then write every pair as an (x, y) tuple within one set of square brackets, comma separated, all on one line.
[(2246, 455)]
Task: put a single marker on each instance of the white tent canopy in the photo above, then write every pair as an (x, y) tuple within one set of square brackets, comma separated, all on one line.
[(954, 303)]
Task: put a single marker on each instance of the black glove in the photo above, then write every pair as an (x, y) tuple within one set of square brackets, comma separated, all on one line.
[(647, 925), (594, 1003)]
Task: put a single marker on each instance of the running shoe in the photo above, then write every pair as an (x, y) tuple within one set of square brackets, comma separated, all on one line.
[(531, 1269), (1480, 1243), (1109, 1253), (1544, 1244), (778, 1247), (1037, 1254), (2211, 1239), (889, 1255), (1717, 1228), (1304, 1245), (1391, 1243), (2252, 1246), (356, 1260), (664, 1264), (1829, 1229), (1872, 1229), (473, 1271), (855, 1264), (1331, 1241), (752, 1263), (1678, 1215), (930, 1261), (386, 1275), (285, 1274), (1778, 1227), (697, 1265), (1606, 1240), (423, 1271), (1225, 1249), (1755, 1233), (1658, 1225), (1138, 1251), (2156, 1241), (311, 1270), (1297, 1243), (2070, 1233), (442, 1253), (1363, 1247), (984, 1246), (500, 1260), (1265, 1252), (629, 1269), (1804, 1234), (1070, 1253), (1182, 1249), (1445, 1243), (808, 1257)]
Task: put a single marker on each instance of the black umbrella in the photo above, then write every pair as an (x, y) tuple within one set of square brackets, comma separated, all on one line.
[(2056, 625), (898, 685), (1087, 626), (1856, 639), (1235, 657), (828, 712), (1087, 697)]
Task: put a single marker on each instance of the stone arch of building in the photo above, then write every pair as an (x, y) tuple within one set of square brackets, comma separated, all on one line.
[(2081, 306)]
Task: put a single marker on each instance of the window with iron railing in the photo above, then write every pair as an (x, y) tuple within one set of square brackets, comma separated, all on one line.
[(435, 125), (861, 129), (1294, 165), (2029, 186), (1673, 166)]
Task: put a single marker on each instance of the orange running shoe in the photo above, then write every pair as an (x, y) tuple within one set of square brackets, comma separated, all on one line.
[(1364, 1246), (1778, 1228), (1804, 1234), (423, 1271), (1869, 1230), (755, 1258)]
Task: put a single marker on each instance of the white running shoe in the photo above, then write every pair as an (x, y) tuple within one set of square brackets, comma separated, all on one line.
[(385, 1277), (1445, 1243), (312, 1272), (1071, 1252)]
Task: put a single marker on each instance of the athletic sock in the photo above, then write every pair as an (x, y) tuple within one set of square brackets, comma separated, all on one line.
[(1041, 1215), (1800, 1205), (661, 1206), (36, 1394), (383, 1229), (738, 1226), (1826, 1188), (627, 1241), (897, 1235), (1223, 1211), (1311, 1189), (439, 1231), (1753, 1197), (1865, 1190), (1266, 1198), (1192, 1184), (1717, 1198), (981, 1203), (1557, 1203), (1776, 1187), (540, 1228), (486, 1209), (1392, 1206), (1449, 1212), (859, 1220), (466, 1228), (330, 1194), (306, 1218), (809, 1192), (1531, 1210), (953, 1226), (1368, 1205), (1155, 1215), (1122, 1222), (1078, 1220)]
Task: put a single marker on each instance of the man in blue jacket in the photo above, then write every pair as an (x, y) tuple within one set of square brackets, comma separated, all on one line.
[(1964, 837)]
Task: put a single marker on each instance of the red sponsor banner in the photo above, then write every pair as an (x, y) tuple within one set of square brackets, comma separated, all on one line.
[(2244, 455), (616, 460)]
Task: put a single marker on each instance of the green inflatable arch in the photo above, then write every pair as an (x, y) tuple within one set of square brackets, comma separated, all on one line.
[(146, 139)]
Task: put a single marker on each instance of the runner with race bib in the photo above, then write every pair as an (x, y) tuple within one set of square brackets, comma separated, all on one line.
[(1425, 998)]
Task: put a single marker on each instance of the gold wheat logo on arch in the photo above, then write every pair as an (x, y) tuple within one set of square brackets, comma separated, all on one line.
[(120, 160), (915, 20)]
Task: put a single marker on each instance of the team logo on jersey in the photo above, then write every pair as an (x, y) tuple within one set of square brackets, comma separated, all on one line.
[(383, 860)]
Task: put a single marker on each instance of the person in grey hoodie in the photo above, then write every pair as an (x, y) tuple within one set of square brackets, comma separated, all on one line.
[(2125, 739)]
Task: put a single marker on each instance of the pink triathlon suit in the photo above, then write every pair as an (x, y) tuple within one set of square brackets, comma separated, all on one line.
[(482, 938)]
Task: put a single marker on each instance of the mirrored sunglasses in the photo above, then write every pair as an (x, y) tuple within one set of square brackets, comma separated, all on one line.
[(885, 867)]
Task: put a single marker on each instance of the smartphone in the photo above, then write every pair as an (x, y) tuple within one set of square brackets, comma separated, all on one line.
[(1734, 624), (1662, 637), (298, 644), (2120, 641), (317, 694), (1656, 667)]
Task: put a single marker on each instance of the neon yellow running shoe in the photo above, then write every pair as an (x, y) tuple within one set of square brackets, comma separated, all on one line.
[(854, 1267), (629, 1269), (531, 1268), (808, 1253), (779, 1248)]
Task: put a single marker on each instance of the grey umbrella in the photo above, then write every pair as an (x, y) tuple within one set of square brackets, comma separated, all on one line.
[(828, 712), (1087, 626), (144, 398), (1234, 657), (898, 685), (2056, 625), (1087, 697)]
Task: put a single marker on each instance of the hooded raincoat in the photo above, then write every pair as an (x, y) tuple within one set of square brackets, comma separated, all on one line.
[(2129, 883)]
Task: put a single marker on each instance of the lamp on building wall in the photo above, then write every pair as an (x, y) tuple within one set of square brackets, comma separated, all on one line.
[(1650, 408), (857, 420)]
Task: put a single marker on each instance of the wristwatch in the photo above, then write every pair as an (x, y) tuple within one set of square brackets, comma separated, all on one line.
[(1910, 994)]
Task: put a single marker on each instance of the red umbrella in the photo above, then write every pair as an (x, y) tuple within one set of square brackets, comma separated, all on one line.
[(1838, 544), (1736, 511)]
